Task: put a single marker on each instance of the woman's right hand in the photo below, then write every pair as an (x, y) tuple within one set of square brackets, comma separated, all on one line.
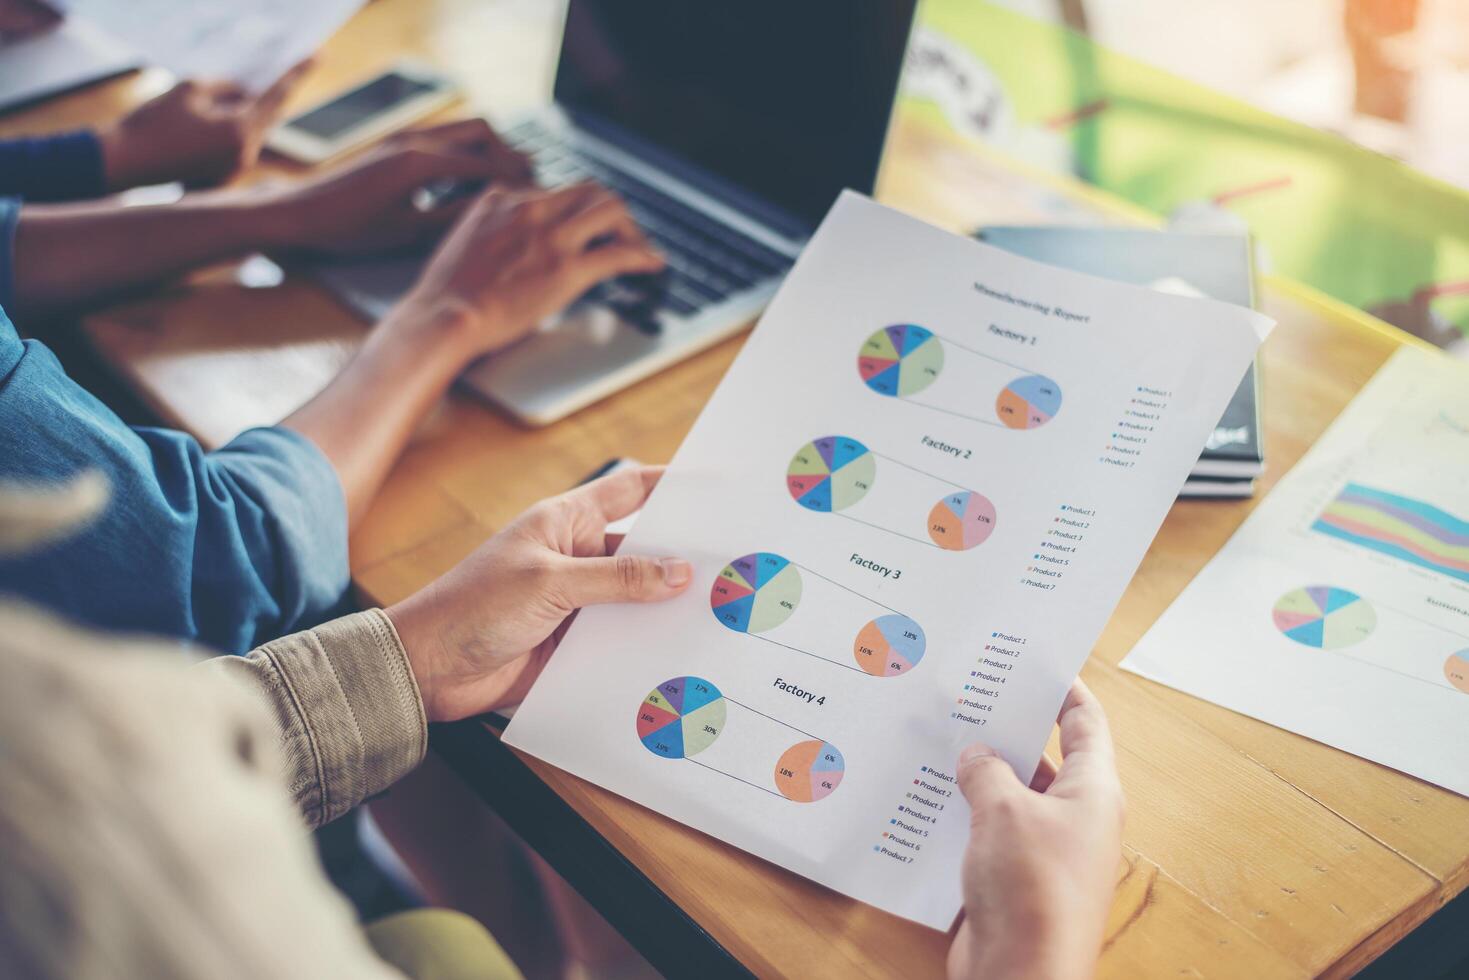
[(1042, 861), (518, 256)]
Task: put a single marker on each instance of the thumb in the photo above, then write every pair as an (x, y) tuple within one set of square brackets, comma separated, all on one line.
[(624, 578), (984, 777)]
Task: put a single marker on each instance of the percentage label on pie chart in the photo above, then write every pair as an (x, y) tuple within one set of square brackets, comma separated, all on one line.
[(756, 593), (889, 645), (900, 360), (961, 521), (681, 717), (830, 473), (809, 771), (1324, 616), (1456, 670), (1028, 402)]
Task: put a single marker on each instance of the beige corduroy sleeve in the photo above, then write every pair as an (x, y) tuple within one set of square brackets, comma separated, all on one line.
[(347, 706)]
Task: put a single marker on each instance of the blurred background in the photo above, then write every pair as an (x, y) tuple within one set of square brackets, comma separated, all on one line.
[(1336, 131)]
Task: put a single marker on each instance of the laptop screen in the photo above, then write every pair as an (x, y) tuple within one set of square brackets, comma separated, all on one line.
[(786, 100)]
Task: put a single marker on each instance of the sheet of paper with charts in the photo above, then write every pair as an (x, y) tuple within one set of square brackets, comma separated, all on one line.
[(911, 506), (1340, 609)]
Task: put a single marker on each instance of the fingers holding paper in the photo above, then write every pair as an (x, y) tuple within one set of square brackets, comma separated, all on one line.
[(198, 132), (1041, 864), (480, 634)]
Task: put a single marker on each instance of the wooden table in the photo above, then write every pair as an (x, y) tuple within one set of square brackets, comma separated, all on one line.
[(1249, 851)]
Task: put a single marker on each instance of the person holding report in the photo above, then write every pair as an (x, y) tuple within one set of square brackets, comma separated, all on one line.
[(207, 772)]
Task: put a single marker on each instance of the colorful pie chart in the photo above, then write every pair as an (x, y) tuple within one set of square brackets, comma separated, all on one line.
[(1325, 616), (681, 717), (756, 593), (961, 520), (1029, 402), (830, 473), (889, 645), (809, 771), (1456, 669), (900, 360)]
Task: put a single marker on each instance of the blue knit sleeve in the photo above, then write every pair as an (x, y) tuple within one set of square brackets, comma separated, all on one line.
[(67, 166)]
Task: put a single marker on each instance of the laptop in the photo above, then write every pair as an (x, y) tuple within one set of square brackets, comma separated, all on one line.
[(729, 130)]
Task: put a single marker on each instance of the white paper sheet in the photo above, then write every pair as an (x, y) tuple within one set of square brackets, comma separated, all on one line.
[(1123, 385), (252, 42), (71, 54), (1372, 524)]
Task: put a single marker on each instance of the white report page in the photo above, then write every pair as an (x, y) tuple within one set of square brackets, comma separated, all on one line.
[(1340, 609), (911, 506)]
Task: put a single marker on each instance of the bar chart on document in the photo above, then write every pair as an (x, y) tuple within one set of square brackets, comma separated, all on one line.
[(1350, 581)]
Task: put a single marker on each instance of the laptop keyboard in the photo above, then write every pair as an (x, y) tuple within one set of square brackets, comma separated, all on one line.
[(707, 261)]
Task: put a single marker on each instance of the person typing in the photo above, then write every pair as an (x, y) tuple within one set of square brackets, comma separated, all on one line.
[(234, 547)]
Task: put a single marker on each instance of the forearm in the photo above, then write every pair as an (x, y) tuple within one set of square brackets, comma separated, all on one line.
[(1013, 958), (363, 420), (346, 707), (71, 254), (1056, 938)]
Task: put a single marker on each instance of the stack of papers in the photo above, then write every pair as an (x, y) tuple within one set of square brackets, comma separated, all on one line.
[(72, 54), (253, 42)]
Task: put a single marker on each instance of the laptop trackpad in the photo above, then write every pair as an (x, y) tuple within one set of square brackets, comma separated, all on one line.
[(582, 353)]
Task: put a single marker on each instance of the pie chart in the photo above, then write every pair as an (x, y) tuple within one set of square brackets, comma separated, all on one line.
[(900, 360), (1325, 616), (1028, 402), (961, 520), (809, 771), (1456, 669), (681, 717), (830, 473), (756, 593), (889, 645)]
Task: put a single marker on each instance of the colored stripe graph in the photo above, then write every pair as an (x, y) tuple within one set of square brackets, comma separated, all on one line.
[(1404, 528)]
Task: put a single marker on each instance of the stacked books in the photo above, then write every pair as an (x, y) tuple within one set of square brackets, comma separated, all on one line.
[(1219, 266)]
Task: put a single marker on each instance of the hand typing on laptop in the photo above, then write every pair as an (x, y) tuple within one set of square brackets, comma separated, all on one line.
[(74, 254), (376, 203), (518, 257), (513, 258)]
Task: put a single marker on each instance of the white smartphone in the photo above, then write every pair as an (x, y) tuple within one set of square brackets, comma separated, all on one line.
[(398, 96)]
